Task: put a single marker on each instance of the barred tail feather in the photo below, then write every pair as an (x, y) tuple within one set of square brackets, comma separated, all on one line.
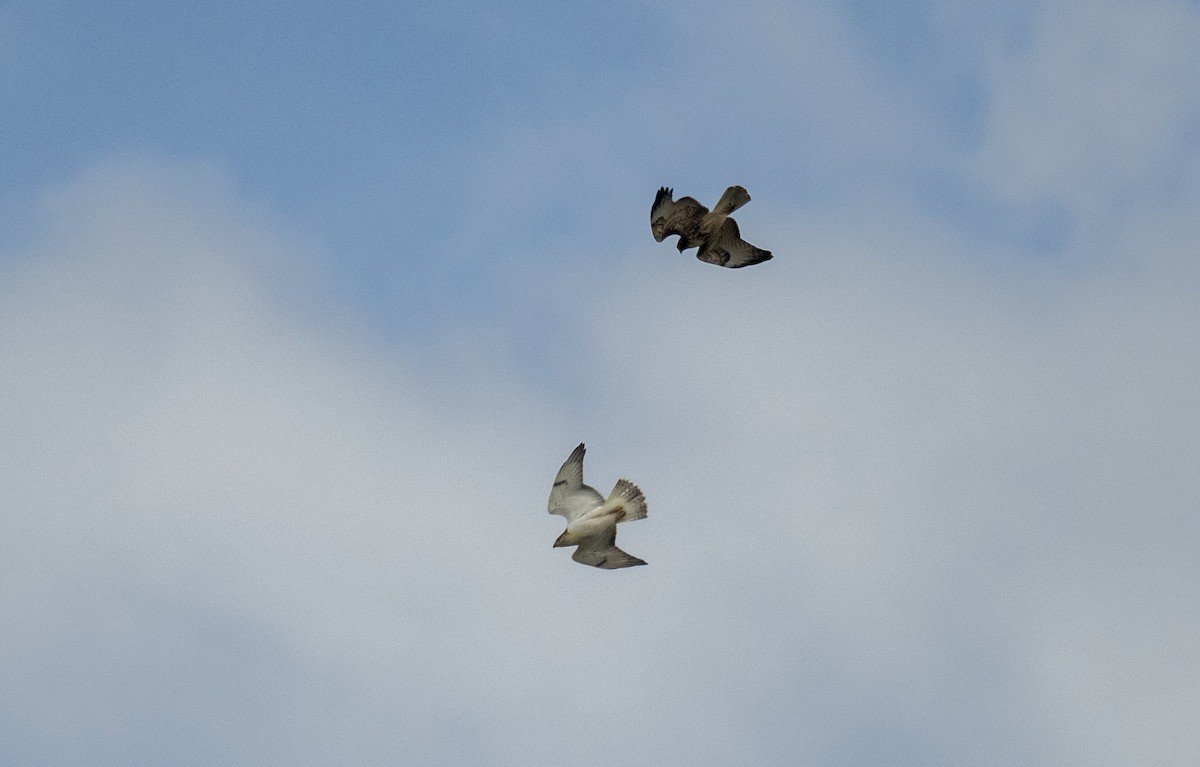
[(734, 198), (629, 497)]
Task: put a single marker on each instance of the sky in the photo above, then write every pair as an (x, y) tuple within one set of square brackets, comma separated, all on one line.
[(303, 305)]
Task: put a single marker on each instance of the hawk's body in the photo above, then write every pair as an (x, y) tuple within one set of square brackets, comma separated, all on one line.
[(591, 518), (713, 232)]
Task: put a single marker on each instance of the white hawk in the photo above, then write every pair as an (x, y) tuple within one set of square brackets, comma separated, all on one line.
[(592, 519)]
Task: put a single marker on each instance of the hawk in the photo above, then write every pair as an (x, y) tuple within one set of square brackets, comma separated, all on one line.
[(592, 520), (714, 232)]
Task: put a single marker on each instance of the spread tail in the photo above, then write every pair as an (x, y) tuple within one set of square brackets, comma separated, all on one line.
[(628, 501), (734, 198)]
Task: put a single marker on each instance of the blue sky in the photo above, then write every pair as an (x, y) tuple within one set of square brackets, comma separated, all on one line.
[(303, 306)]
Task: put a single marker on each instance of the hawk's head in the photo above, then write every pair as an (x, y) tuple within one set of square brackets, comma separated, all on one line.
[(566, 539), (658, 228)]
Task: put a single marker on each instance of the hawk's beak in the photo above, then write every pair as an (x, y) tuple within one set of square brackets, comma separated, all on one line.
[(560, 541)]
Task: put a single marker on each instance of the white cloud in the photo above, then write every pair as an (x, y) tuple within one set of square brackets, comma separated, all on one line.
[(1096, 107), (898, 505), (906, 505), (191, 453), (953, 479)]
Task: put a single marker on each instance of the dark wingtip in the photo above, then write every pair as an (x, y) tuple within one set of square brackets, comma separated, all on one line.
[(764, 255), (663, 192)]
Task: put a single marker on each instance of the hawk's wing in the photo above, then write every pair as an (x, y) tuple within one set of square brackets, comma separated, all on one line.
[(569, 497), (681, 217), (727, 248), (601, 551)]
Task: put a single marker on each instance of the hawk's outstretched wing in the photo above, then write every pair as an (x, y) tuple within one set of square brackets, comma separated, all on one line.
[(681, 217), (727, 248), (569, 497), (601, 551)]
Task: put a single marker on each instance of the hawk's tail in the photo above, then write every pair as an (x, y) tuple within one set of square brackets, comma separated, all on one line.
[(627, 501), (734, 198)]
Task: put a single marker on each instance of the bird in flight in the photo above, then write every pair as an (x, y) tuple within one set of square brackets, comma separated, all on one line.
[(591, 519), (714, 232)]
